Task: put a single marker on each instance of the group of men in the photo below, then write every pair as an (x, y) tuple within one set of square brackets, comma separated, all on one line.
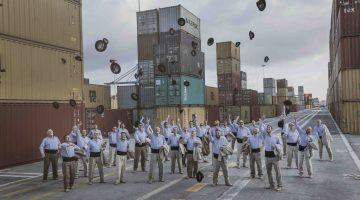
[(186, 146)]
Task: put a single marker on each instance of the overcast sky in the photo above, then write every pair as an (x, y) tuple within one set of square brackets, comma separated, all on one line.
[(293, 33)]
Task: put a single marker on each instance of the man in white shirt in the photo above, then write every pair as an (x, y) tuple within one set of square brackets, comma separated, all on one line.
[(67, 151), (122, 147), (292, 138), (157, 143), (82, 143), (113, 136), (241, 136), (255, 142), (49, 148), (325, 138)]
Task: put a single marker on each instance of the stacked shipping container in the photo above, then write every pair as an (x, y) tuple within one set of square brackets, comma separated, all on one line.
[(282, 94)]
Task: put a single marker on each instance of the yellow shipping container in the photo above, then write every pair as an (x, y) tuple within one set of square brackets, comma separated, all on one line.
[(55, 22), (38, 73), (212, 96), (183, 113), (227, 66), (268, 110), (95, 95), (349, 84), (227, 50), (350, 117)]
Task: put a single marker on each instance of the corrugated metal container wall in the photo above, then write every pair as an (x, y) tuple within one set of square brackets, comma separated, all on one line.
[(146, 45), (245, 114), (36, 119), (109, 119), (211, 96), (227, 50), (255, 113), (349, 51), (211, 114), (268, 99), (246, 97), (161, 91), (350, 117), (147, 67), (95, 95), (124, 96), (270, 91), (349, 20), (269, 83), (56, 22), (33, 73), (349, 81), (227, 66), (183, 113), (147, 96), (233, 111), (226, 98), (281, 83), (282, 92), (229, 82), (147, 22), (261, 98), (168, 18), (268, 110)]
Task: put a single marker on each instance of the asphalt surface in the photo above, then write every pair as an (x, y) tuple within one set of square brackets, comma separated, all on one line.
[(331, 179)]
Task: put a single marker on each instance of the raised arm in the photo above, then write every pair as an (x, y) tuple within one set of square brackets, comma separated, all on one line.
[(298, 128)]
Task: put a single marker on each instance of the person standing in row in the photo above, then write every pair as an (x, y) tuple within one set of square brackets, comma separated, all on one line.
[(325, 139), (95, 149), (283, 128), (192, 142), (242, 134), (255, 143), (234, 130), (113, 137), (157, 144), (220, 161), (49, 148), (122, 148), (166, 130), (67, 151), (175, 154), (305, 149), (82, 143), (140, 147), (292, 138), (271, 160)]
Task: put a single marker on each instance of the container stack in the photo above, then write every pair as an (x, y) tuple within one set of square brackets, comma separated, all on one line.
[(243, 79), (211, 104), (282, 94), (301, 98), (308, 101), (343, 95)]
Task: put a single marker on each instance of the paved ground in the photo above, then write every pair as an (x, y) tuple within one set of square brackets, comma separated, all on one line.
[(330, 179)]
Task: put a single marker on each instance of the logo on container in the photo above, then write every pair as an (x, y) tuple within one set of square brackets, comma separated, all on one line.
[(192, 23), (185, 94)]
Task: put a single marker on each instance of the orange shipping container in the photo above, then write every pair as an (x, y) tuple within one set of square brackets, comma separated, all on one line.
[(227, 50)]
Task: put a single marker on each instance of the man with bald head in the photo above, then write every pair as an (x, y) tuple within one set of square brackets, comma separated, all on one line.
[(49, 148), (242, 134)]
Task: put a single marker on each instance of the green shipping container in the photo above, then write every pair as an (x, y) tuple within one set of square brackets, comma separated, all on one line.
[(173, 90)]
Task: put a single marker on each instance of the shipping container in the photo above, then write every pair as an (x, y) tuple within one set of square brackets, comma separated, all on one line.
[(274, 100), (281, 83), (347, 54), (283, 92), (269, 83), (147, 22), (233, 111), (38, 73), (124, 96), (347, 24), (246, 97), (349, 81), (147, 68), (268, 110), (147, 96), (350, 117), (291, 91), (255, 112), (146, 46), (169, 16), (173, 90), (308, 99), (270, 91), (243, 76), (146, 113), (228, 66), (96, 95), (245, 114), (227, 50), (24, 125), (226, 97), (211, 114), (230, 82), (56, 22), (211, 96), (185, 114)]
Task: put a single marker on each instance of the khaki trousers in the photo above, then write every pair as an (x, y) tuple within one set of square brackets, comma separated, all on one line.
[(68, 170), (192, 166), (328, 149), (155, 159), (305, 155), (292, 151), (112, 156), (283, 139), (255, 158), (53, 159), (121, 167), (240, 153), (270, 163), (223, 165), (176, 156), (83, 160), (99, 163), (140, 151)]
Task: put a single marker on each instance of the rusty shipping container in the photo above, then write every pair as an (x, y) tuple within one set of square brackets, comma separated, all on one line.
[(124, 97), (147, 68), (54, 22), (348, 20), (228, 66), (229, 82), (347, 54), (281, 83), (38, 73), (211, 114), (36, 119), (147, 96), (146, 46), (246, 97), (255, 112), (227, 50), (147, 22), (185, 114), (96, 95), (211, 96), (226, 97)]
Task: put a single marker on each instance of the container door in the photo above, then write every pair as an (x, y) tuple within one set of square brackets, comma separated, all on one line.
[(2, 16)]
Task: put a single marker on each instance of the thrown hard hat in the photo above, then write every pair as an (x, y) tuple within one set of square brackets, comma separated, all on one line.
[(186, 83), (266, 59), (101, 45), (194, 44), (210, 41), (199, 176), (134, 96), (100, 109), (251, 35), (261, 4), (281, 123), (172, 31), (237, 44), (193, 53), (72, 102), (115, 67), (56, 105), (181, 21)]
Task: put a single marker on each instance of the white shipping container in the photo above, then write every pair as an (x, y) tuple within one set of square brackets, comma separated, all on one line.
[(269, 83), (270, 91), (147, 67), (147, 22), (168, 18)]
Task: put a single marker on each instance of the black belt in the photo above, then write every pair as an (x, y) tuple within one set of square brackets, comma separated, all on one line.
[(257, 150), (269, 154), (51, 151), (95, 154), (189, 151), (200, 137), (121, 153), (75, 143), (282, 133), (239, 140), (112, 145), (292, 144), (166, 139), (216, 156), (320, 137), (69, 159), (155, 150), (302, 148), (140, 145), (175, 148)]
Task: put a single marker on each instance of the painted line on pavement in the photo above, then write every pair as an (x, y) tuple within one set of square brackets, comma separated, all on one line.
[(197, 187)]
